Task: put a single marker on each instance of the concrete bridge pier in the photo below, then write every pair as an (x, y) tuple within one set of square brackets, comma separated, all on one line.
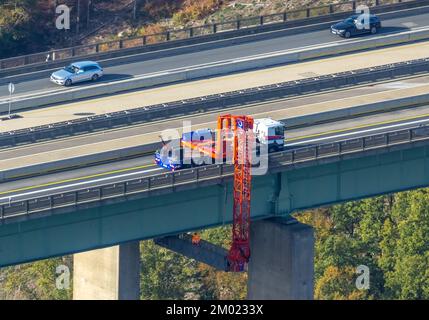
[(107, 274), (282, 260)]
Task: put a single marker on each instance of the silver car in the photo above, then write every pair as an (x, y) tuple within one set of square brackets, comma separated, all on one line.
[(77, 72)]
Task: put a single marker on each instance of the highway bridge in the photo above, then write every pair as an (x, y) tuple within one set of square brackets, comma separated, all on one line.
[(72, 192), (128, 70)]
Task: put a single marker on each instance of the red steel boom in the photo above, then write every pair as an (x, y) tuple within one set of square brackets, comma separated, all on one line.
[(241, 126)]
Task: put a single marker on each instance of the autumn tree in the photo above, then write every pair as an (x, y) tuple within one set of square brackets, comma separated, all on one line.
[(405, 246), (36, 280)]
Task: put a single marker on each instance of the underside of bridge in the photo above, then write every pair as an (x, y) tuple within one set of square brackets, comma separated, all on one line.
[(281, 266), (322, 182)]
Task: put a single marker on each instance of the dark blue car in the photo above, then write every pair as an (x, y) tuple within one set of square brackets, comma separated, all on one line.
[(355, 25)]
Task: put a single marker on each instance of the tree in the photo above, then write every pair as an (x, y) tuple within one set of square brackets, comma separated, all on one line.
[(23, 27), (405, 247), (337, 284), (35, 280), (166, 275), (347, 235)]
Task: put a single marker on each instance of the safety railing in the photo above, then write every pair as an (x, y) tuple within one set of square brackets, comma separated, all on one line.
[(186, 33), (15, 206)]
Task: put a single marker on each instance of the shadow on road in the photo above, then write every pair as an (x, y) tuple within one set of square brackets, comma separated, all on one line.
[(115, 77), (393, 29)]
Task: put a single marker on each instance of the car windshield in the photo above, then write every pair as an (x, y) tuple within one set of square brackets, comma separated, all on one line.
[(280, 131), (71, 69), (350, 20)]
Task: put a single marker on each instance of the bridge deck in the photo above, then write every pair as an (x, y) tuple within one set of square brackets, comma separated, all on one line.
[(150, 134)]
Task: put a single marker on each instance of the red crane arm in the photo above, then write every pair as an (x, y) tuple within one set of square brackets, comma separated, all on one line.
[(241, 126)]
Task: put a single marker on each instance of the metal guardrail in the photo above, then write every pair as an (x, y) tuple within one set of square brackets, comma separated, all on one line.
[(193, 32), (206, 173), (211, 102)]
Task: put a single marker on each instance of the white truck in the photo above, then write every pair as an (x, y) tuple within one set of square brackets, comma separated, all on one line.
[(270, 132), (266, 130)]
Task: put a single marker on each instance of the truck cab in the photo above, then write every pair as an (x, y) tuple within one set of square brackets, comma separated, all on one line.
[(175, 158), (168, 159), (270, 132)]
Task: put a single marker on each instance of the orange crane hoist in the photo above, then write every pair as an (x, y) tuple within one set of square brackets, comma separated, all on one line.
[(236, 133)]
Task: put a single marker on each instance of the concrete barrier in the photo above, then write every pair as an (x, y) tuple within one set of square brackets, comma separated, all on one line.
[(214, 69), (77, 162), (356, 111), (120, 154)]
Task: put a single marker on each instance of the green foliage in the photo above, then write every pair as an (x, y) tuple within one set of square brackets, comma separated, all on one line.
[(389, 234), (347, 236), (11, 28), (406, 246), (166, 275), (337, 284), (34, 281), (17, 27), (221, 285)]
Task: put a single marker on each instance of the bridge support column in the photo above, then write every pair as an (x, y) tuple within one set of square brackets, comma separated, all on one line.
[(107, 274), (282, 260)]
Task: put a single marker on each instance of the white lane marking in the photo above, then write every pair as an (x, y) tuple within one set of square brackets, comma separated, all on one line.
[(8, 198), (401, 85), (410, 24), (357, 132)]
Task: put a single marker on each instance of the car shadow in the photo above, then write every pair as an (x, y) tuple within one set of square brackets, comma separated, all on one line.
[(393, 29), (106, 78), (115, 77), (383, 31)]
